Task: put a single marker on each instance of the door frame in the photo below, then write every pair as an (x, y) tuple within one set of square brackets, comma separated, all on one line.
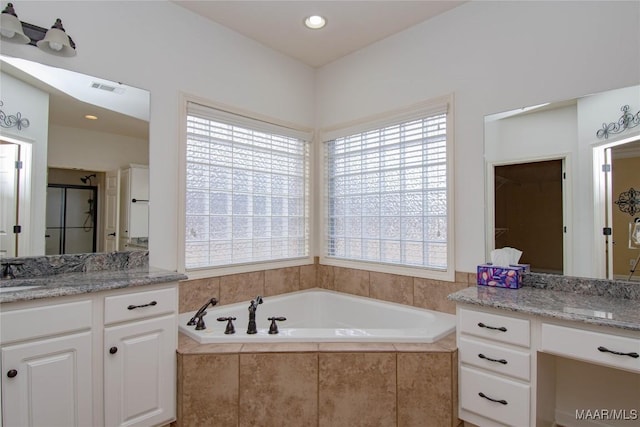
[(603, 204), (490, 200)]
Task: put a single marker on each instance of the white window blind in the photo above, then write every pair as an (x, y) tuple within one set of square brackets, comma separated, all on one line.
[(247, 190), (386, 198)]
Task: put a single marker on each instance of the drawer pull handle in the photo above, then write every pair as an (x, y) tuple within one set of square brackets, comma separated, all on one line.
[(501, 328), (502, 401), (606, 350), (133, 307), (482, 356)]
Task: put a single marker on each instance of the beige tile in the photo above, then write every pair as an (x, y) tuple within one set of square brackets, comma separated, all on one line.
[(462, 277), (351, 281), (209, 390), (351, 347), (432, 294), (281, 280), (192, 294), (281, 347), (325, 277), (278, 389), (357, 389), (420, 347), (391, 287), (186, 345), (424, 390), (241, 287), (308, 276)]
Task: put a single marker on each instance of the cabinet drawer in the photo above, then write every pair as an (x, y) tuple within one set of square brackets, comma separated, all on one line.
[(495, 358), (121, 308), (592, 346), (495, 327), (43, 321), (494, 397)]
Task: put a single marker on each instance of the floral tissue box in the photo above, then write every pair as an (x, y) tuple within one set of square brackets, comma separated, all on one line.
[(501, 277)]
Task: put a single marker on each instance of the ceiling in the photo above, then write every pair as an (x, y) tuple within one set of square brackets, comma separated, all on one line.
[(351, 25), (71, 97)]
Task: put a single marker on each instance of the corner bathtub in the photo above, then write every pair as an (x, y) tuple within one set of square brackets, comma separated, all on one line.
[(323, 316)]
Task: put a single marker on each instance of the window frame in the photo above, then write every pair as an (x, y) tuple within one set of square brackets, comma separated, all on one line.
[(215, 271), (417, 111)]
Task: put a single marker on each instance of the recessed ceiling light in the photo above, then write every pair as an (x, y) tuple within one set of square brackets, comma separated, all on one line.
[(315, 22), (91, 117)]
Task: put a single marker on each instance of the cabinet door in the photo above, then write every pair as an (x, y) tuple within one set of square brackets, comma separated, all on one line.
[(48, 382), (140, 373)]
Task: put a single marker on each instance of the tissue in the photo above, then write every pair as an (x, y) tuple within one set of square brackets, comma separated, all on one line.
[(504, 270), (505, 257)]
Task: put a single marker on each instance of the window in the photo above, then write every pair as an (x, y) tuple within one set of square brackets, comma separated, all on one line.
[(247, 190), (388, 194)]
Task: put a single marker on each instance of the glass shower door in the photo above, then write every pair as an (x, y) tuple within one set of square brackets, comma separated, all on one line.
[(71, 218)]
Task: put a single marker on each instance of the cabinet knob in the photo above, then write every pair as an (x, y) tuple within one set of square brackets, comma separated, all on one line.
[(12, 373), (113, 350)]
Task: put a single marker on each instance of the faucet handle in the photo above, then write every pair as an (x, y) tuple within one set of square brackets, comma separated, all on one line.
[(200, 325), (273, 329), (230, 329)]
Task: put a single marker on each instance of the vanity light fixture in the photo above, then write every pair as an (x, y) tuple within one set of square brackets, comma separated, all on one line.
[(11, 27), (90, 117), (315, 22), (54, 40)]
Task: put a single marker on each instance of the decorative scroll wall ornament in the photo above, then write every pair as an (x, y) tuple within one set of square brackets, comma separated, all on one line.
[(629, 201), (10, 121), (626, 121)]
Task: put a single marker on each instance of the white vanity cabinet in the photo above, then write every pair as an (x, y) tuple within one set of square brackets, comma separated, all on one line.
[(140, 338), (520, 369), (47, 374), (101, 359), (495, 368)]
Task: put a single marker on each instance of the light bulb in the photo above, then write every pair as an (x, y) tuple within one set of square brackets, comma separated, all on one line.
[(56, 46), (315, 22)]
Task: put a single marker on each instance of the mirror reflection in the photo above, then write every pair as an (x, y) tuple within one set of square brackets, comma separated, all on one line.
[(74, 162), (554, 184)]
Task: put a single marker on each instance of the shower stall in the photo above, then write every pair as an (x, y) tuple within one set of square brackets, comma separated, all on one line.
[(71, 219)]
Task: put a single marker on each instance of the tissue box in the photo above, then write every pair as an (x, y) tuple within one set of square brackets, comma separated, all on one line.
[(501, 277)]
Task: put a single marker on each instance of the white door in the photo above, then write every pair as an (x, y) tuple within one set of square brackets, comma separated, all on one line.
[(112, 208), (139, 372), (9, 155), (48, 382)]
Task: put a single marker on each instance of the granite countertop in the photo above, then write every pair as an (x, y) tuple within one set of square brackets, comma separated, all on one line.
[(61, 275), (75, 283), (574, 303)]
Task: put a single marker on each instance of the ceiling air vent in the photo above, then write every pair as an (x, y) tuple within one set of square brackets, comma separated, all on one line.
[(107, 88)]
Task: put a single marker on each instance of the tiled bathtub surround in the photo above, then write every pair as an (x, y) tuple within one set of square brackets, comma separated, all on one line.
[(309, 384), (38, 266), (415, 291)]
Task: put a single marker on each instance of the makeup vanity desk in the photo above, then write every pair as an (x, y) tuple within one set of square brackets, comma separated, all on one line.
[(558, 351)]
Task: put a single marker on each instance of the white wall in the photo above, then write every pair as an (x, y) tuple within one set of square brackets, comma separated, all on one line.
[(71, 148), (32, 104), (166, 49), (494, 56)]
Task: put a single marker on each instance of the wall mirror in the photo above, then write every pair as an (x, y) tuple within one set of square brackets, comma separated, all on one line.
[(554, 178), (74, 157)]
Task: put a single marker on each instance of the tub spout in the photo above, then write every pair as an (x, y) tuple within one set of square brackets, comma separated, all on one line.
[(253, 306)]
